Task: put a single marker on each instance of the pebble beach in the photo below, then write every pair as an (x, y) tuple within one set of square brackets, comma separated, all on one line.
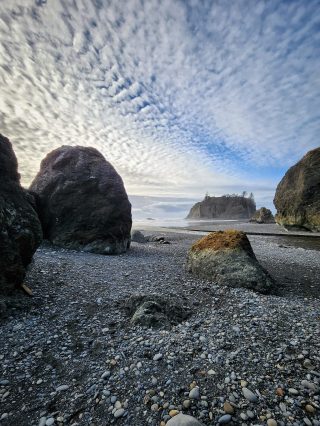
[(70, 354)]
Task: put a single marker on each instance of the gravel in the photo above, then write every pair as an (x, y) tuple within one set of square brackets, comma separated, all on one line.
[(70, 355)]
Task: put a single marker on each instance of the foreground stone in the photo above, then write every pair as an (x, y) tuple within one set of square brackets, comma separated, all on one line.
[(156, 311), (227, 258), (82, 201), (297, 197), (183, 420), (20, 228), (263, 215)]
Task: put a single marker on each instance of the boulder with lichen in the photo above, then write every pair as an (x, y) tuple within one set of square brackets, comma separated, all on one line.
[(226, 258)]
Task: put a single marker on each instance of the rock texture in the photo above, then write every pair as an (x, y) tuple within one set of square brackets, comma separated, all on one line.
[(225, 207), (82, 201), (297, 197), (263, 215), (20, 228), (226, 258)]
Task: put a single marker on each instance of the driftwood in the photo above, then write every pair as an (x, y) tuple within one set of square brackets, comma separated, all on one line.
[(26, 289)]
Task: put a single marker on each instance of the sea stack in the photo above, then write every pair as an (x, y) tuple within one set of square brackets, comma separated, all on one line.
[(20, 228), (225, 207), (226, 258), (263, 215), (297, 197), (82, 202)]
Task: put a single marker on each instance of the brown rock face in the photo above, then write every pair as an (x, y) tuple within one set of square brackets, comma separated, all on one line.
[(263, 215), (20, 228), (225, 207), (297, 197), (227, 258), (82, 202)]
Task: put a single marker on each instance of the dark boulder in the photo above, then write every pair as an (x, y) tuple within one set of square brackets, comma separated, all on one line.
[(138, 237), (263, 215), (226, 258), (297, 197), (20, 228), (82, 202)]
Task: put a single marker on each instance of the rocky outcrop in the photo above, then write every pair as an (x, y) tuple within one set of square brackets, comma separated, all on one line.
[(225, 207), (297, 197), (263, 215), (226, 258), (20, 228), (82, 202)]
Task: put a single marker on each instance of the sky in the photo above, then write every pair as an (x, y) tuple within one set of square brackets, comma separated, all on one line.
[(181, 96)]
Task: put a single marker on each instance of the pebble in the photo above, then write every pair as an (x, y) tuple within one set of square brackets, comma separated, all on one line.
[(173, 413), (249, 395), (119, 413), (194, 393), (293, 391), (271, 422), (42, 421), (105, 375), (227, 408), (186, 403), (310, 409), (309, 385), (62, 388), (50, 421), (4, 416), (157, 357), (226, 418)]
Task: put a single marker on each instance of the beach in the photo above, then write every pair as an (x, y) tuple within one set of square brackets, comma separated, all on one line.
[(70, 354)]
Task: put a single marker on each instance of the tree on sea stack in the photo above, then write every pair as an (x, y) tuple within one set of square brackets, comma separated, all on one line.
[(226, 258), (82, 202)]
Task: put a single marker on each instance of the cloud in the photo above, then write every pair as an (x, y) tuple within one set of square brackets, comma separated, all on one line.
[(180, 96)]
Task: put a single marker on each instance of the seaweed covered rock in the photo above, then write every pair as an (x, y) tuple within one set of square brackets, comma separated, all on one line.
[(20, 228), (82, 202), (227, 258), (297, 197), (263, 215)]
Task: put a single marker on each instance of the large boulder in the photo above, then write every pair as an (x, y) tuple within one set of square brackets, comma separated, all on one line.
[(263, 215), (227, 258), (82, 202), (297, 197), (20, 228)]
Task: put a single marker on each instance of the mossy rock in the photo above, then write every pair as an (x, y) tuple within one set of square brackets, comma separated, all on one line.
[(226, 258)]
